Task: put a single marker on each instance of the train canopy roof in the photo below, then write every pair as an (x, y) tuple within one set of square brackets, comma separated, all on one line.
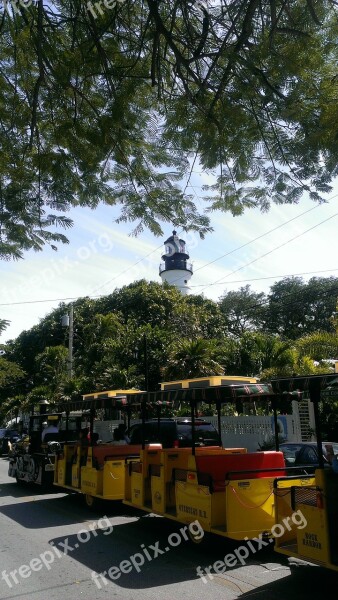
[(211, 395), (216, 394), (317, 386)]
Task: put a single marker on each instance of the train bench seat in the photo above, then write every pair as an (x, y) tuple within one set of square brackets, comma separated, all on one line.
[(215, 470), (105, 452)]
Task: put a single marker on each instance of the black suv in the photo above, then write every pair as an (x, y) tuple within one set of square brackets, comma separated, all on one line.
[(175, 433)]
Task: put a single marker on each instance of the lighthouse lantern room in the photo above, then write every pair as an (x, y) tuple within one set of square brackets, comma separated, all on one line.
[(176, 270)]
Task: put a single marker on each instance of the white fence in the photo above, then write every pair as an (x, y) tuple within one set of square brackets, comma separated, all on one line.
[(254, 431), (237, 432)]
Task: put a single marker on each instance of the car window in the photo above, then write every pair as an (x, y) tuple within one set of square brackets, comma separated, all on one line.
[(150, 434), (135, 435), (204, 432), (307, 456), (164, 434), (290, 452)]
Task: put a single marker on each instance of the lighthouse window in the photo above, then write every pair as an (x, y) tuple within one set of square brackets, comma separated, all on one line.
[(168, 250)]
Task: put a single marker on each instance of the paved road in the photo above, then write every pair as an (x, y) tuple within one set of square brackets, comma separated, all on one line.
[(50, 546)]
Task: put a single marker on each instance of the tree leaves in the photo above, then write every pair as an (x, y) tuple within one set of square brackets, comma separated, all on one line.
[(109, 105)]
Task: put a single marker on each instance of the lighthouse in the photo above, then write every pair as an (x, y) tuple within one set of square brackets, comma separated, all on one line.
[(176, 270)]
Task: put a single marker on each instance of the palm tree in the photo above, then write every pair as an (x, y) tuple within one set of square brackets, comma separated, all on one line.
[(320, 346), (192, 358), (52, 365)]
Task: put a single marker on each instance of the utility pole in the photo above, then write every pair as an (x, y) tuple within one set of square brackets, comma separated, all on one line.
[(70, 341), (146, 368), (68, 321)]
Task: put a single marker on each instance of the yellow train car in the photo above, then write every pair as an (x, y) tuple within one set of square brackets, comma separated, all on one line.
[(96, 470), (313, 535), (229, 490)]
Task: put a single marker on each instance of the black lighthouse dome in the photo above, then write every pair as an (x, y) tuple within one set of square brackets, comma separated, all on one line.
[(176, 256)]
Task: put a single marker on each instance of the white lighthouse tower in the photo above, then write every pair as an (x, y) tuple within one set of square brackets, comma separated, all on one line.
[(176, 270)]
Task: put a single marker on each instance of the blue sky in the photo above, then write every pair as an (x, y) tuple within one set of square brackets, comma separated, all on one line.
[(103, 256)]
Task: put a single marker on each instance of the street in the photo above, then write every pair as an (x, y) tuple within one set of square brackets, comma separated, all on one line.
[(52, 546)]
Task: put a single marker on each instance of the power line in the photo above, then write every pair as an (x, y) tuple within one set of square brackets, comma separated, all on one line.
[(125, 271), (216, 259), (41, 301), (195, 286), (269, 252), (269, 277), (96, 289), (257, 238), (254, 240), (217, 282), (266, 302)]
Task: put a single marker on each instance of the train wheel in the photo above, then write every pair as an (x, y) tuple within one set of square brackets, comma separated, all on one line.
[(91, 501), (195, 538), (20, 481)]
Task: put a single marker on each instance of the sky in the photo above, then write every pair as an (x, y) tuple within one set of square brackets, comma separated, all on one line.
[(256, 248)]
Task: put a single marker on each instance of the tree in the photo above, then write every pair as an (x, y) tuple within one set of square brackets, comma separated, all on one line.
[(192, 358), (145, 332), (144, 302), (319, 346), (243, 310), (207, 316), (52, 366), (257, 351), (118, 105), (11, 381), (296, 308), (3, 324), (10, 374)]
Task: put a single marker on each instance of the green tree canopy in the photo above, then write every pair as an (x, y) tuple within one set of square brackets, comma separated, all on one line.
[(11, 383), (116, 106), (319, 346), (243, 310), (192, 358), (296, 308), (10, 373), (145, 332)]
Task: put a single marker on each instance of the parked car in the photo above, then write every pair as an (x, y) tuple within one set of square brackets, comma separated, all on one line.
[(10, 436), (305, 454), (175, 433)]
